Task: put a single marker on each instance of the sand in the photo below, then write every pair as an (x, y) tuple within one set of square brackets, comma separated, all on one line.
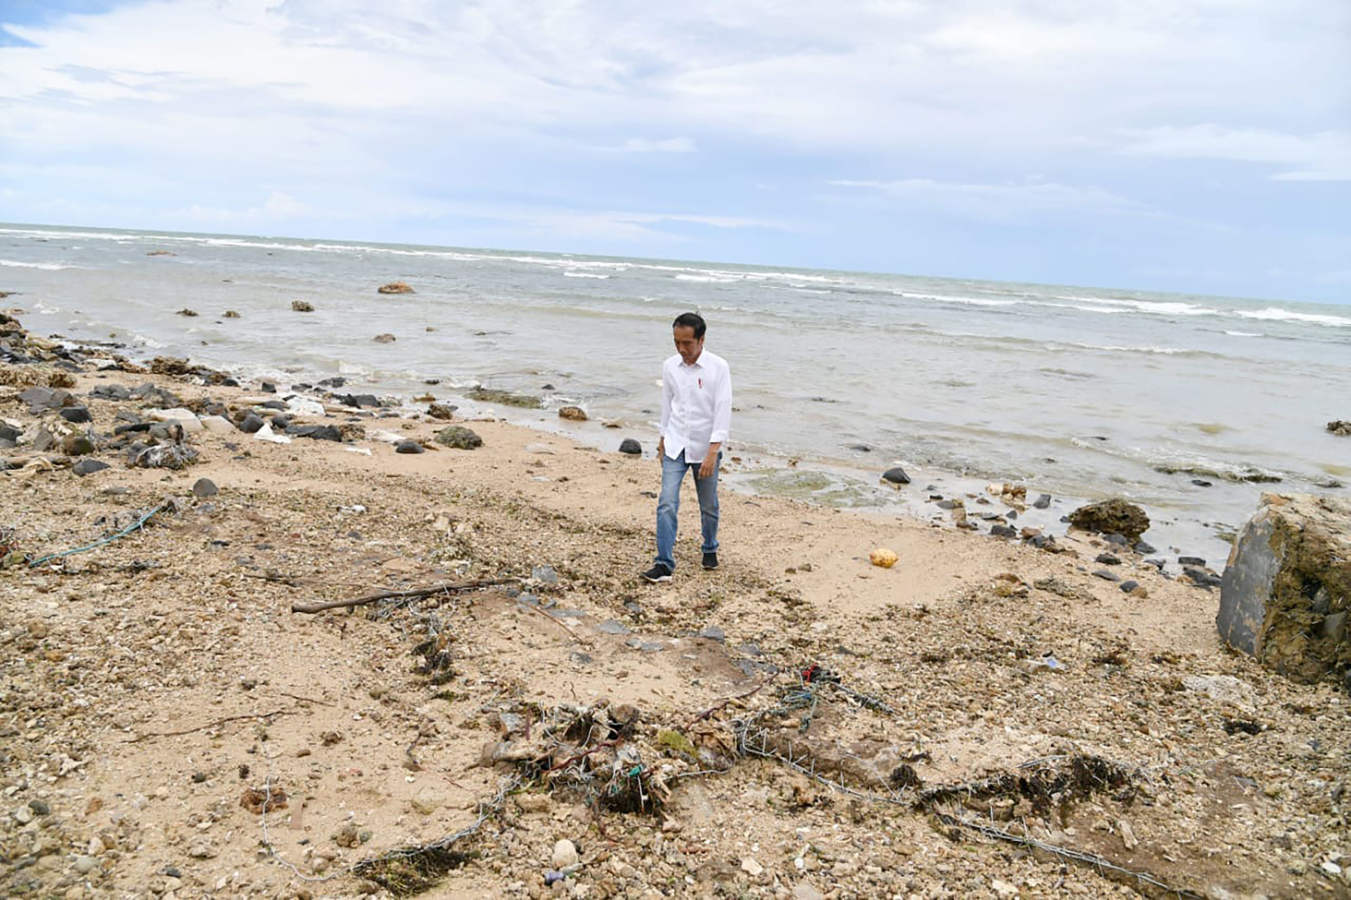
[(149, 685)]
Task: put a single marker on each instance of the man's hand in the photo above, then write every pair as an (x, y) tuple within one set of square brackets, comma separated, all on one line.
[(709, 465), (661, 449)]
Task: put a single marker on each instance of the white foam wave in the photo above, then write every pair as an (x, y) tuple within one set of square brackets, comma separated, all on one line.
[(1118, 348), (1245, 333), (571, 274), (704, 279), (1276, 314), (18, 264), (150, 342)]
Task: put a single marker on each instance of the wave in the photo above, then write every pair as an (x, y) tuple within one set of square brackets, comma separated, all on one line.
[(17, 264), (1276, 314), (705, 279), (584, 275), (1244, 333)]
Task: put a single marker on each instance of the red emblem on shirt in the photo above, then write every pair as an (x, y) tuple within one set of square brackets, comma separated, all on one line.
[(701, 384)]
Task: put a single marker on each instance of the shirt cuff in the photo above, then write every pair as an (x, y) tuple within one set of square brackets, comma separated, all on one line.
[(717, 437)]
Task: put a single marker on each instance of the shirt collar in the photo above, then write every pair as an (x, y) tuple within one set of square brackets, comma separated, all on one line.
[(697, 364)]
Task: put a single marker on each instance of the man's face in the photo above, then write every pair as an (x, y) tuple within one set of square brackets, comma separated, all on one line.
[(687, 345)]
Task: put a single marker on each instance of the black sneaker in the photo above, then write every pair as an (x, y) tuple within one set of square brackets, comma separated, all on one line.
[(657, 573), (710, 560)]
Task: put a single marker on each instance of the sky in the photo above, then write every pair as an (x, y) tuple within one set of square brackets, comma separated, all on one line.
[(1197, 146)]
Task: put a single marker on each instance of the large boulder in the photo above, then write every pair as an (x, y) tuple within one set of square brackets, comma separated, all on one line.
[(1286, 589), (459, 437), (1114, 516)]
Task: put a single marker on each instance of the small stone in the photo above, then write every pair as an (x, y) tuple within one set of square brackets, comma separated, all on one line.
[(75, 414), (751, 867), (40, 807), (85, 864), (564, 855), (1042, 502), (204, 487), (1107, 576), (883, 557), (88, 467), (77, 445), (572, 413), (1128, 587), (1108, 559), (23, 815), (296, 306), (544, 574), (409, 447), (1003, 888), (441, 411), (201, 849), (631, 447), (459, 437), (394, 287), (532, 803), (805, 890), (895, 475), (385, 338)]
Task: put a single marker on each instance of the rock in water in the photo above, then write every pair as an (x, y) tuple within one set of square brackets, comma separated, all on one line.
[(460, 437), (1286, 589), (895, 475), (1340, 426), (883, 557), (395, 287), (301, 306), (1114, 516), (631, 447), (572, 413), (442, 410), (383, 338)]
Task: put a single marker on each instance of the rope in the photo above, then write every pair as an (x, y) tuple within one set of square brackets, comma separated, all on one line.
[(101, 541)]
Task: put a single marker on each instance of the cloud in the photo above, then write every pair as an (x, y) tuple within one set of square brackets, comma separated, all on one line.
[(1324, 156), (670, 145), (1028, 203)]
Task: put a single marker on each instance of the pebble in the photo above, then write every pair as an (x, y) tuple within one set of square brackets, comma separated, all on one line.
[(1128, 586), (806, 891), (409, 447), (1107, 576), (85, 864), (751, 867), (23, 815), (204, 487), (565, 854)]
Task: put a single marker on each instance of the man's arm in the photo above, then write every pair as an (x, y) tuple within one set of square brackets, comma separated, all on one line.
[(722, 423), (667, 391)]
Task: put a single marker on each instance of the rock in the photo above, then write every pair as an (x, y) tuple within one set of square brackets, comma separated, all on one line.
[(1043, 501), (631, 447), (1003, 888), (177, 416), (201, 849), (1105, 575), (110, 392), (1224, 688), (459, 437), (883, 557), (250, 424), (394, 287), (1286, 589), (187, 312), (1340, 426), (384, 338), (1114, 516), (204, 487), (1128, 586), (1190, 561), (23, 814), (1119, 540), (76, 414), (564, 855), (751, 867), (544, 574), (43, 398), (218, 425), (85, 864), (315, 432), (895, 475), (77, 445), (441, 411), (409, 447), (230, 314), (805, 890), (426, 802), (1202, 577), (572, 413), (360, 401), (88, 467), (1108, 559), (1143, 548), (301, 306), (1004, 531), (489, 395)]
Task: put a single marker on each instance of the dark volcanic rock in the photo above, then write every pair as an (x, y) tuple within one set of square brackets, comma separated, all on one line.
[(1201, 576), (1340, 426), (1003, 531), (358, 400), (409, 447), (250, 424), (1190, 561), (110, 392), (317, 432), (1108, 559), (1114, 516), (1143, 548), (896, 475), (1128, 586), (631, 447), (1042, 501), (76, 414)]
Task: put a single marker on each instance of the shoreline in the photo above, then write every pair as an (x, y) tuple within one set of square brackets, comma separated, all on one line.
[(151, 683)]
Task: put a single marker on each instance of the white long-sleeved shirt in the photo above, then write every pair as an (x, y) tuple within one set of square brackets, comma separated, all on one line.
[(696, 405)]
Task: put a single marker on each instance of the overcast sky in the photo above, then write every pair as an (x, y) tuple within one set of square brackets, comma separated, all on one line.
[(1190, 145)]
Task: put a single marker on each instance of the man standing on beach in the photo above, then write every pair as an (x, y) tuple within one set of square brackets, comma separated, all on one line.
[(696, 413)]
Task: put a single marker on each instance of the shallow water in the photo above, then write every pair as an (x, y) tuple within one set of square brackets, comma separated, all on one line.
[(1078, 392)]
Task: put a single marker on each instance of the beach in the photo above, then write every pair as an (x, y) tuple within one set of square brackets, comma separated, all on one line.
[(983, 719)]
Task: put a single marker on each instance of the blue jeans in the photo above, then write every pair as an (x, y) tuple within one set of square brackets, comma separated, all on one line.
[(672, 474)]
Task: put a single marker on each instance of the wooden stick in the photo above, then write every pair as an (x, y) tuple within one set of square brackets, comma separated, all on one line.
[(414, 593), (150, 734), (712, 709)]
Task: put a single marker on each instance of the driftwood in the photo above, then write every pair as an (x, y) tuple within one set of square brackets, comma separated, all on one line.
[(411, 594), (154, 734)]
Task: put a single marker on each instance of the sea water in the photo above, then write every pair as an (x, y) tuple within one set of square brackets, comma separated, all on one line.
[(1189, 405)]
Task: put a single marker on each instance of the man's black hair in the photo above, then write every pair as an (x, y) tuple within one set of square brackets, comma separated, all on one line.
[(691, 320)]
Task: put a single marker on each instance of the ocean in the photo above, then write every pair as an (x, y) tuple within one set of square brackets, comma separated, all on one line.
[(1188, 405)]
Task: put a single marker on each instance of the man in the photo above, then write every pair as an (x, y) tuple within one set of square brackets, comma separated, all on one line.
[(696, 412)]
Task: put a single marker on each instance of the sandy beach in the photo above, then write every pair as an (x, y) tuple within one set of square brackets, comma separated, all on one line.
[(983, 719)]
